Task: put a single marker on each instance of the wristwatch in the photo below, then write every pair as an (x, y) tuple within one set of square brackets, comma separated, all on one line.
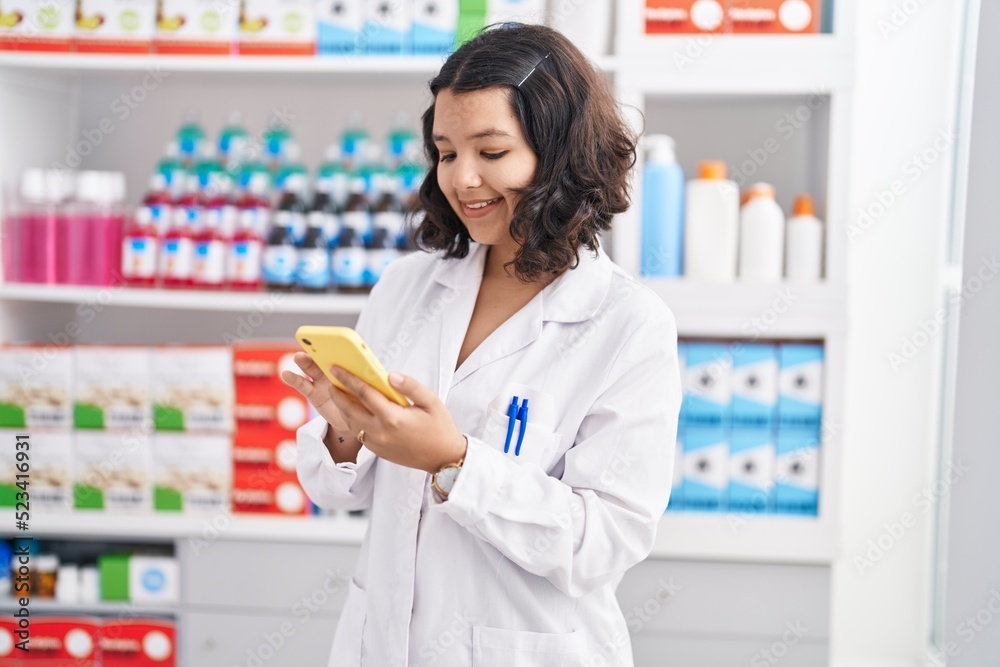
[(444, 479)]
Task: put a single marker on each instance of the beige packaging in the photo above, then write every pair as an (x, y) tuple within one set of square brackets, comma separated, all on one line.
[(44, 470), (112, 388), (35, 386), (194, 473), (113, 471), (193, 389)]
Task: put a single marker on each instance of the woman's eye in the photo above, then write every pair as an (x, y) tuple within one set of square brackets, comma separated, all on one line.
[(447, 157), (494, 156)]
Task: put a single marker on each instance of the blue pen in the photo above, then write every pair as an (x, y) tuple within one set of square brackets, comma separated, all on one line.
[(523, 416), (511, 418)]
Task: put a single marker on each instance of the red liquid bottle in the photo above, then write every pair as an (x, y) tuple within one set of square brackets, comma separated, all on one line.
[(219, 197), (140, 250), (177, 253), (159, 202), (257, 200), (244, 255), (209, 266)]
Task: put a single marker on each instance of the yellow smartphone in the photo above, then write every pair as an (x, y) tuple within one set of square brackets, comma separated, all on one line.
[(344, 347)]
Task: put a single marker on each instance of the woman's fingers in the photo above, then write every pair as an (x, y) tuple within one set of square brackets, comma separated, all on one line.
[(309, 367), (367, 395)]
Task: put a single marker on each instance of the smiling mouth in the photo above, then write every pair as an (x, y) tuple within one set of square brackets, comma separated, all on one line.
[(480, 205)]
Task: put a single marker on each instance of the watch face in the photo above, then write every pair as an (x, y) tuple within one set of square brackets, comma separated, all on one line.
[(446, 478)]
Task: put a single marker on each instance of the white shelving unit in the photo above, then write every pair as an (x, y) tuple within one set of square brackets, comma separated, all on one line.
[(124, 609), (673, 82)]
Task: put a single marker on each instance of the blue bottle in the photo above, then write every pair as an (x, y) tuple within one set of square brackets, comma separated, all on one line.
[(662, 209)]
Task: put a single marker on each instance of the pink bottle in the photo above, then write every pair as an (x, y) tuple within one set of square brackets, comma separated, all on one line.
[(95, 226), (31, 250), (140, 250), (209, 266)]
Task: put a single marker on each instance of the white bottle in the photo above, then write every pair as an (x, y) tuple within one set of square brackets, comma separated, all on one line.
[(762, 236), (711, 225), (804, 243)]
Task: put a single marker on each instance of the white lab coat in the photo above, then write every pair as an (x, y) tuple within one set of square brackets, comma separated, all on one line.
[(519, 566)]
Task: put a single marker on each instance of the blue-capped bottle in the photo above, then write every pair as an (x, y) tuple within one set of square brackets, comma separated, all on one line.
[(314, 270), (281, 256), (381, 252)]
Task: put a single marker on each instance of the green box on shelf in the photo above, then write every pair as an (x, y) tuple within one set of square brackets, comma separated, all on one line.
[(468, 27), (113, 570)]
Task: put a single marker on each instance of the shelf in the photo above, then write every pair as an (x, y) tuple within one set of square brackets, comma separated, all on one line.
[(723, 536), (211, 527), (744, 538), (749, 311), (131, 609), (245, 302), (737, 64)]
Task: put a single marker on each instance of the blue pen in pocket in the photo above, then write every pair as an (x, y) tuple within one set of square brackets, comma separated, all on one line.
[(511, 418), (523, 416)]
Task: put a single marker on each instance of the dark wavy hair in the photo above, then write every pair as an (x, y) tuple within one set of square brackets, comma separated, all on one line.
[(572, 123)]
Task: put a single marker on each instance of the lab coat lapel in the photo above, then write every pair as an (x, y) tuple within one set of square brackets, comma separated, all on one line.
[(458, 283)]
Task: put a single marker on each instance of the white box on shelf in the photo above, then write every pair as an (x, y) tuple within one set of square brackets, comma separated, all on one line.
[(800, 381), (755, 385), (751, 471), (153, 579), (338, 26), (193, 473), (48, 479), (387, 28), (35, 383), (706, 469), (112, 388), (193, 389), (708, 385), (434, 26), (113, 471)]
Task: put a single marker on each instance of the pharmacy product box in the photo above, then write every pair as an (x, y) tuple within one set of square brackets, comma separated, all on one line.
[(773, 16), (112, 388), (677, 481), (138, 642), (138, 578), (796, 476), (254, 450), (35, 385), (49, 476), (115, 26), (684, 16), (755, 385), (471, 19), (519, 11), (10, 655), (193, 389), (265, 405), (269, 490), (285, 28), (751, 470), (434, 25), (192, 473), (706, 469), (113, 471), (338, 26), (708, 385), (204, 27), (37, 25), (387, 27), (800, 386), (59, 641)]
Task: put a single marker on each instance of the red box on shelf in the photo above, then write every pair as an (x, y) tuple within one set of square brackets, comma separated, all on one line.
[(268, 412), (59, 641), (251, 449), (664, 17), (268, 490), (138, 643), (732, 16), (10, 655)]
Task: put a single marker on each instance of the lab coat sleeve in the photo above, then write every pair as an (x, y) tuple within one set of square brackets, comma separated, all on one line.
[(343, 486), (599, 519)]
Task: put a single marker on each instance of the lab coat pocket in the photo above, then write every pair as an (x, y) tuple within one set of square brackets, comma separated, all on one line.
[(519, 648), (347, 650), (538, 447)]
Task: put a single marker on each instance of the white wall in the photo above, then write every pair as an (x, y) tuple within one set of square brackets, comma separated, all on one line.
[(905, 96)]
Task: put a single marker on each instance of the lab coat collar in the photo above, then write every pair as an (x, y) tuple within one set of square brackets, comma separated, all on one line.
[(574, 296)]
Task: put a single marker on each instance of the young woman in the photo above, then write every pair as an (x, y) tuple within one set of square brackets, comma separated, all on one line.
[(531, 470)]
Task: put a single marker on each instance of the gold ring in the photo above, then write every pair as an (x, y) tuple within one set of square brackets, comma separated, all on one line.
[(361, 436)]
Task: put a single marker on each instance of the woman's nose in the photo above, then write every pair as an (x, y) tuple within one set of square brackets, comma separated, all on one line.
[(466, 175)]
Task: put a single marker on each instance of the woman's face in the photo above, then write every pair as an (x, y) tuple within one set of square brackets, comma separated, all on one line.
[(482, 155)]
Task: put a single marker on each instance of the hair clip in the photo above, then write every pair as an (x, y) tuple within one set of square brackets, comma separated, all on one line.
[(533, 69)]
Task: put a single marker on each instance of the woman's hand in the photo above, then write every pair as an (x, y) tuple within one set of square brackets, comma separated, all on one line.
[(318, 390), (422, 436)]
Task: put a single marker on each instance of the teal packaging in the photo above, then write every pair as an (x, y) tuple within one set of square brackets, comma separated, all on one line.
[(662, 210), (796, 489), (751, 471), (677, 482), (755, 385), (434, 26), (338, 27), (708, 385), (706, 470), (387, 27), (800, 382)]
